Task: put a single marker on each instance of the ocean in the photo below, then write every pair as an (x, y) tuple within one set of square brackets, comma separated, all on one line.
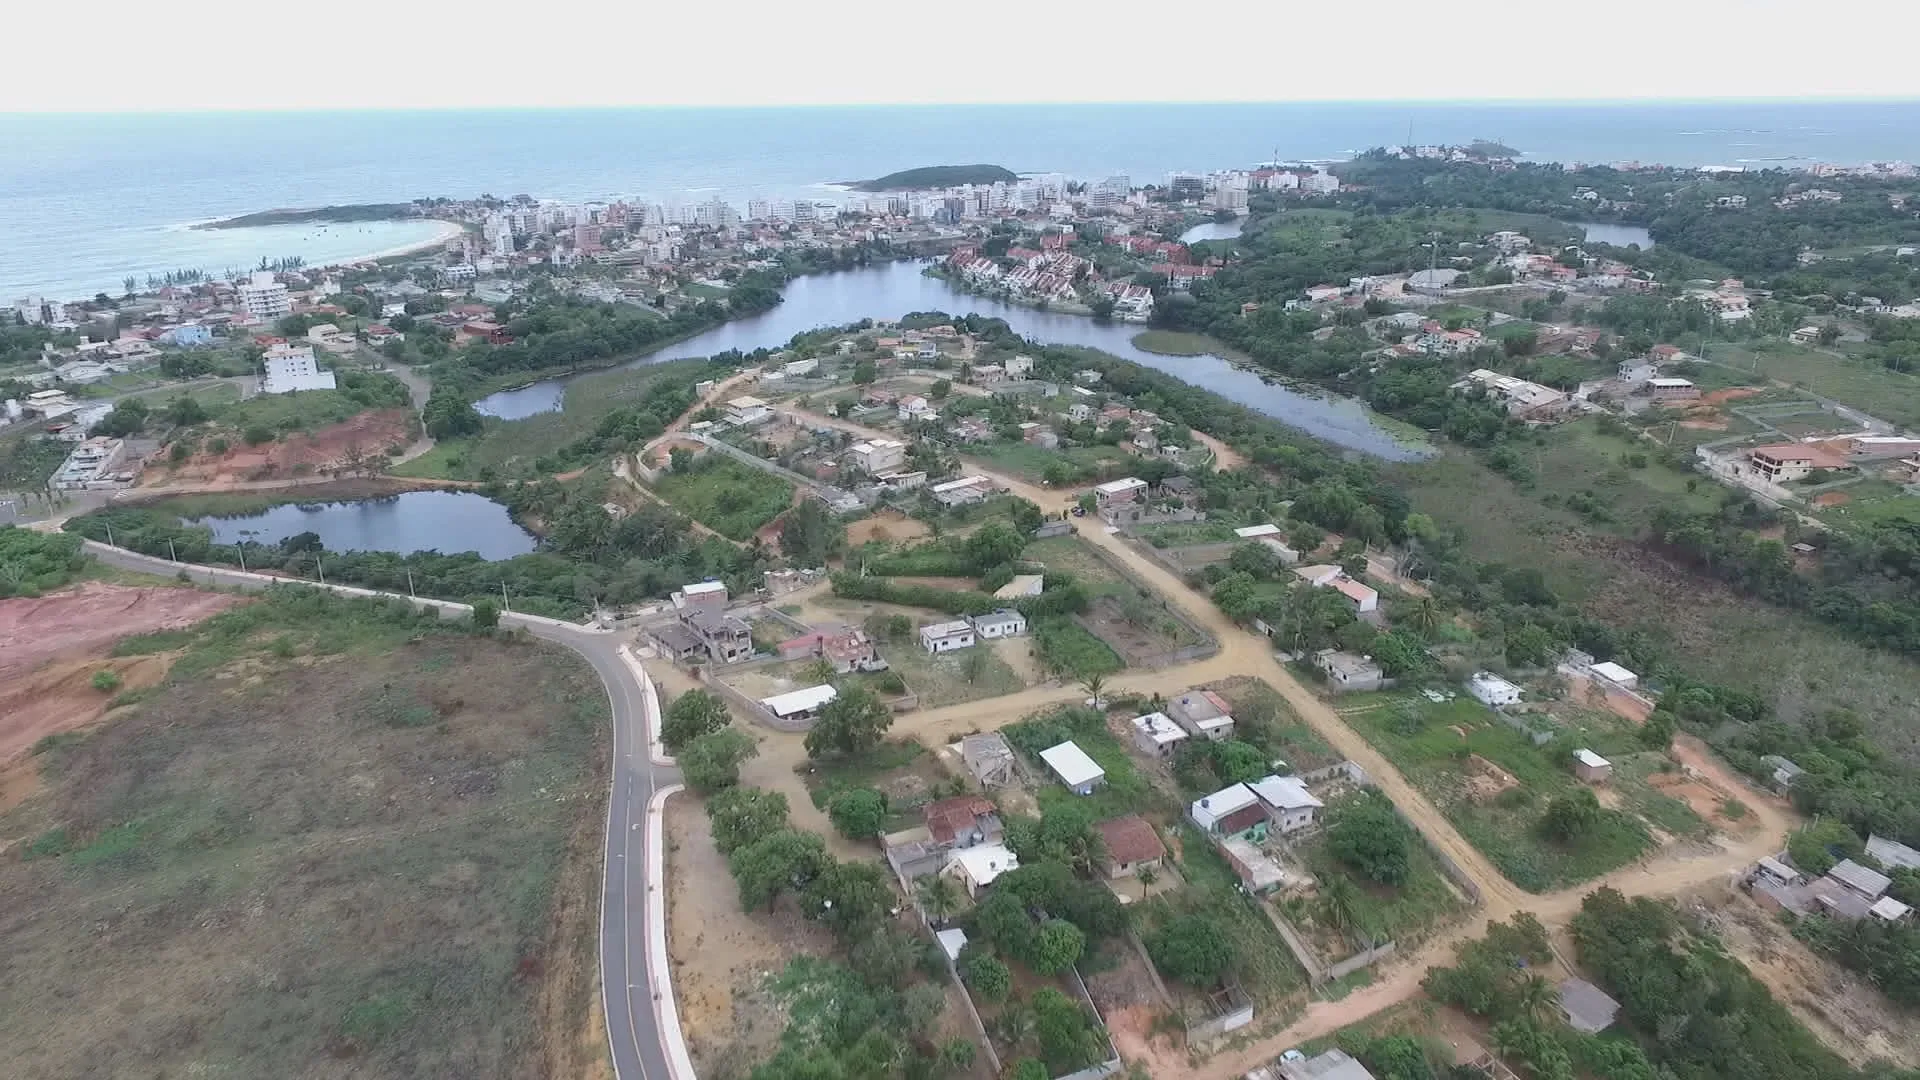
[(86, 200)]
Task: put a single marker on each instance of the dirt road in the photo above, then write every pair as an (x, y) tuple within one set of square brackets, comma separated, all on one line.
[(1245, 653)]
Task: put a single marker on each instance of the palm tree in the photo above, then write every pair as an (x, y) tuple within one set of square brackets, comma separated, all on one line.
[(1093, 684), (939, 896), (1425, 616), (1536, 998), (1339, 903)]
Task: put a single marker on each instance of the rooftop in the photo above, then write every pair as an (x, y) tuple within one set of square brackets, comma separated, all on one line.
[(799, 701), (1130, 839), (1209, 809), (1867, 882), (1590, 759), (1159, 727), (1285, 792), (1254, 532), (1071, 764), (1613, 672), (984, 862), (1588, 1007)]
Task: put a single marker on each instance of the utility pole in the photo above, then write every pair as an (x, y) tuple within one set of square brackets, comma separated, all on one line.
[(505, 604), (171, 553), (110, 542), (410, 581), (242, 546), (320, 564)]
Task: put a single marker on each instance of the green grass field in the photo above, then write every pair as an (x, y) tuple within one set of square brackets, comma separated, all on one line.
[(1864, 384), (727, 496), (1261, 960), (1180, 343), (511, 447), (1072, 555), (943, 680), (1419, 737), (1029, 462)]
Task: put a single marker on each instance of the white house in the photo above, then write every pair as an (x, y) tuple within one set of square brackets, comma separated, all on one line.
[(878, 456), (1114, 492), (1255, 532), (1289, 804), (746, 411), (912, 407), (944, 637), (1080, 773), (1615, 674), (1491, 690), (998, 624), (1362, 597), (1156, 735), (797, 368), (977, 867)]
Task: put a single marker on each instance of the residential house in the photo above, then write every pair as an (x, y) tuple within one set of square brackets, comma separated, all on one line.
[(979, 866), (1132, 847), (946, 637), (1785, 462), (878, 456), (1785, 772), (1523, 399), (1232, 811), (1363, 598), (1806, 335), (1203, 713), (1590, 767), (1157, 736), (1287, 802), (726, 639), (707, 595), (1115, 493), (1331, 1065), (1348, 673), (969, 489), (988, 374), (1491, 690), (989, 758), (1181, 489), (1019, 367), (1670, 389), (847, 649), (1079, 773), (912, 407), (797, 369), (1319, 575), (1005, 622), (1588, 1007), (963, 821), (674, 641), (1615, 674), (1893, 853), (292, 368), (747, 411), (799, 705)]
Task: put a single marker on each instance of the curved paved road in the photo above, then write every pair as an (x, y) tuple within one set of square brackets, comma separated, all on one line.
[(627, 984)]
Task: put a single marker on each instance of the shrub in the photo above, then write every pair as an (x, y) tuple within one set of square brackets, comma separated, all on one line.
[(106, 680)]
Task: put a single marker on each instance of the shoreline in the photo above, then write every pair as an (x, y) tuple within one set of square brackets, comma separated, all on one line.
[(448, 231)]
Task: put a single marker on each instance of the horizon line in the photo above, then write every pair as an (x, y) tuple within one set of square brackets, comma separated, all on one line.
[(1517, 103)]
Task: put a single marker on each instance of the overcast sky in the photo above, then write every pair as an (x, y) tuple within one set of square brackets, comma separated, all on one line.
[(114, 55)]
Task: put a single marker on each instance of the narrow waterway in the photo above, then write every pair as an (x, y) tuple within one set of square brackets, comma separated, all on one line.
[(894, 289), (449, 522)]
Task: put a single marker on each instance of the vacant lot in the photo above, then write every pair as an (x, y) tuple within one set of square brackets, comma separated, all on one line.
[(1072, 555), (731, 498), (340, 841), (52, 646), (1864, 384), (1495, 785), (1714, 633), (951, 678), (1029, 462)]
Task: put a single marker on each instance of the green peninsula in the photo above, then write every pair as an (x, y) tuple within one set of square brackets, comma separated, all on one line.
[(316, 215), (936, 176)]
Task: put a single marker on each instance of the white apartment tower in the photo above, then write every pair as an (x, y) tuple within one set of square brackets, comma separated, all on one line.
[(264, 298)]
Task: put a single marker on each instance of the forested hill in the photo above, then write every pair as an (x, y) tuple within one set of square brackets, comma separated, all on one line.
[(934, 176)]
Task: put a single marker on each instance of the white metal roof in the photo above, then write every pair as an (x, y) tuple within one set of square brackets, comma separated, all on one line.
[(1285, 792), (1892, 852), (1252, 531), (798, 701), (1071, 764), (1210, 809), (1670, 384), (1613, 672), (1115, 487), (946, 629), (984, 862), (1860, 878), (699, 588), (952, 941), (1590, 759), (1889, 909)]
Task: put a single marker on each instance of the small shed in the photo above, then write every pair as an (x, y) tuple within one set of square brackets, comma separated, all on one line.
[(1588, 1007), (1491, 690), (1080, 773), (1591, 767), (1867, 882)]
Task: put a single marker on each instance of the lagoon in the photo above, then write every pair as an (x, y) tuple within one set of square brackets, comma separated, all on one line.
[(894, 289), (449, 522)]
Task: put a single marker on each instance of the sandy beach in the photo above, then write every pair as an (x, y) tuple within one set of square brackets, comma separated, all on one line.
[(448, 231)]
